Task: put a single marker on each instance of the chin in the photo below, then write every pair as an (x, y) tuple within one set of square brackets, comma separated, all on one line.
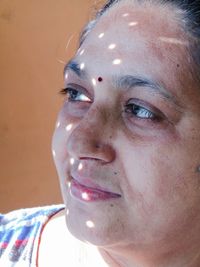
[(95, 238), (99, 234)]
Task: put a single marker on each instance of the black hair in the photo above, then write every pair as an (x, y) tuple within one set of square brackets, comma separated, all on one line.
[(191, 23)]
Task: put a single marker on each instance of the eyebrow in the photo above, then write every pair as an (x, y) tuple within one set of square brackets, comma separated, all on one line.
[(75, 67), (130, 81), (126, 81)]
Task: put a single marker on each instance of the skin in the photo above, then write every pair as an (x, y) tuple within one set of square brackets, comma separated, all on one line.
[(152, 163)]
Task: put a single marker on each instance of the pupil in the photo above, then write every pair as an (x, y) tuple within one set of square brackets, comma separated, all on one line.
[(136, 110), (73, 94)]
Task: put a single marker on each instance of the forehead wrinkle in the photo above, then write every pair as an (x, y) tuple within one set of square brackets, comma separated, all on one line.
[(130, 82)]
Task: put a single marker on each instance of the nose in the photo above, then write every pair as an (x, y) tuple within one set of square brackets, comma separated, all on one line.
[(91, 138)]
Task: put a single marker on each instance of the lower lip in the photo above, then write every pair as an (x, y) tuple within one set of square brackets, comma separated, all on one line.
[(88, 194)]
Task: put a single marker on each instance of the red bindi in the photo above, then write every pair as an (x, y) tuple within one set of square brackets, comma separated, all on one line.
[(100, 79)]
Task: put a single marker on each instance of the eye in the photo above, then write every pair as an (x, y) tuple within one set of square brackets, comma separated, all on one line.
[(75, 95), (140, 111)]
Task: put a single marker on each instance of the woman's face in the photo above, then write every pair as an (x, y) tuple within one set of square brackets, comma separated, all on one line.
[(130, 126)]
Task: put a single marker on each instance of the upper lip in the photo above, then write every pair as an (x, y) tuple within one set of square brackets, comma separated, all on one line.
[(88, 182)]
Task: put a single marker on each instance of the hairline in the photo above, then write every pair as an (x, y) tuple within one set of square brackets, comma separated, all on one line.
[(184, 24)]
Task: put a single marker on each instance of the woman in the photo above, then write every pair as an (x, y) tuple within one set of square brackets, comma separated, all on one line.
[(126, 145)]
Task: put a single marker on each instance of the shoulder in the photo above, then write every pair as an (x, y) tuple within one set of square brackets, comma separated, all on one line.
[(20, 231), (28, 216)]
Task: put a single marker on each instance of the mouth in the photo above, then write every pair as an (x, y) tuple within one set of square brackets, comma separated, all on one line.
[(90, 194)]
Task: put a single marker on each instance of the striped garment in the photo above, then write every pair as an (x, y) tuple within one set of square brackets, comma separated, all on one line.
[(20, 233)]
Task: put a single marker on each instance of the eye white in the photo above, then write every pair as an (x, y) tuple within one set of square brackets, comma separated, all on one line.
[(83, 97), (143, 113)]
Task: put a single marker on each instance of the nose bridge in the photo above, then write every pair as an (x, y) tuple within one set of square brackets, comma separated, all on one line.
[(91, 137), (97, 122), (98, 116)]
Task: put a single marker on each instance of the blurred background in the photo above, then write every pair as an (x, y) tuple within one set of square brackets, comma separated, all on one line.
[(33, 39)]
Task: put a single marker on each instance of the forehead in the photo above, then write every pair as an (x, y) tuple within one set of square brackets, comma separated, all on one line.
[(128, 26), (150, 20), (136, 40), (130, 33)]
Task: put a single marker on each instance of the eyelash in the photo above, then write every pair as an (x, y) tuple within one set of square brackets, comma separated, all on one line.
[(72, 93), (145, 113), (131, 108)]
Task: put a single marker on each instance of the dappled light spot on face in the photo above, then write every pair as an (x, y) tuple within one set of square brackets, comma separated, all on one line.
[(117, 61), (173, 40), (66, 76), (101, 35), (90, 224), (68, 184), (82, 66), (82, 52), (58, 124), (67, 212), (133, 23), (85, 196), (125, 15), (94, 82), (80, 166), (112, 46), (68, 127), (72, 160)]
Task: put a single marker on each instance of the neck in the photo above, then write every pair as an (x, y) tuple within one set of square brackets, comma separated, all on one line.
[(189, 257)]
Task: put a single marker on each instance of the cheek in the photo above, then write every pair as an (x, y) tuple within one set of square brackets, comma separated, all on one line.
[(58, 145), (143, 181), (64, 127), (159, 176), (149, 173)]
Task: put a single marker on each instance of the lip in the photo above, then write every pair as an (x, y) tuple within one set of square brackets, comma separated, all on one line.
[(90, 193)]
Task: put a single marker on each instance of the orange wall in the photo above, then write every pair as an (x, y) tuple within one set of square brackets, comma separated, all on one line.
[(33, 36)]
